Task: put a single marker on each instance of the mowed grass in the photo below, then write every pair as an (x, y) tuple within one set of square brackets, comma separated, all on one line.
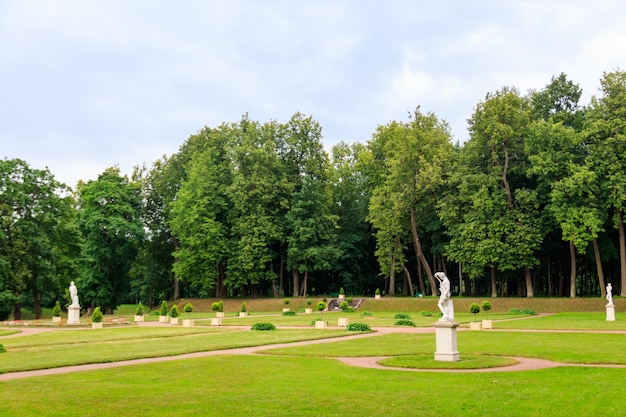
[(258, 386), (65, 348)]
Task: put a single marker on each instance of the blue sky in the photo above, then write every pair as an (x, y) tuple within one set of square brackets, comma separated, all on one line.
[(85, 85)]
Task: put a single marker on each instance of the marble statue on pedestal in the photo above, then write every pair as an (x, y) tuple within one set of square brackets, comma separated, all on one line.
[(445, 302), (609, 294)]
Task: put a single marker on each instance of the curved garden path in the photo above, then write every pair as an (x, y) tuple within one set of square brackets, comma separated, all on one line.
[(523, 364)]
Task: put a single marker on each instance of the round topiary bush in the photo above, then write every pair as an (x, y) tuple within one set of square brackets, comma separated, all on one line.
[(404, 323), (286, 301), (321, 306), (402, 316), (97, 316), (486, 306), (174, 311), (309, 302), (263, 326), (289, 313), (344, 306), (218, 306), (474, 309), (139, 309), (358, 327), (164, 308), (188, 308)]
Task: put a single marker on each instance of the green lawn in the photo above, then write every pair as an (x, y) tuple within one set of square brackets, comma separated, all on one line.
[(307, 381)]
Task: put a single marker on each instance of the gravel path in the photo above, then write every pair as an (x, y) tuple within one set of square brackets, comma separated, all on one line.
[(523, 364)]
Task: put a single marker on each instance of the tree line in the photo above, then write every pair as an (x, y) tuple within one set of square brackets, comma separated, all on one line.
[(531, 204)]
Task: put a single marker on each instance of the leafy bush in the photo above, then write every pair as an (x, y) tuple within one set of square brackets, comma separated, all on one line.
[(56, 310), (263, 326), (341, 291), (377, 292), (367, 313), (7, 300), (321, 306), (404, 323), (155, 313), (139, 309), (349, 310), (349, 300), (486, 306), (425, 313), (289, 313), (96, 316), (474, 309), (218, 306), (2, 349), (524, 311), (244, 308), (164, 308), (286, 301), (309, 302), (402, 316), (188, 308), (174, 311), (344, 305), (358, 327)]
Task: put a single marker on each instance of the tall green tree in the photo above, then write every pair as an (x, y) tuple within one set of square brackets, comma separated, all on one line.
[(40, 239), (605, 130), (493, 220), (416, 154), (310, 222), (110, 222)]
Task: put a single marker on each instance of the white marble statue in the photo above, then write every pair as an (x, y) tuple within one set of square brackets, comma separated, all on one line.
[(609, 294), (445, 302), (74, 295)]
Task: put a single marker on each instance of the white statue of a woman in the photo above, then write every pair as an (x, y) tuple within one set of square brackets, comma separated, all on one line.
[(609, 294), (74, 295), (445, 302)]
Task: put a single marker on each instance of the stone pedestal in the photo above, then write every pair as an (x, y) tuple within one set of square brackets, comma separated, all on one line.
[(445, 332), (216, 321), (342, 322), (73, 315), (610, 312)]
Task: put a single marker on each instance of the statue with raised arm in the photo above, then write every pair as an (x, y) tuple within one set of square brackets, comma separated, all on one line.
[(445, 303), (74, 295), (609, 294)]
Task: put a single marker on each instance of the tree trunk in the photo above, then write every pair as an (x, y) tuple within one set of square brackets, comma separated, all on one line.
[(596, 251), (17, 311), (392, 274), (296, 287), (420, 254), (408, 277), (461, 291), (305, 283), (572, 274), (420, 277), (494, 288), (176, 282), (622, 251), (281, 274), (530, 293), (37, 306)]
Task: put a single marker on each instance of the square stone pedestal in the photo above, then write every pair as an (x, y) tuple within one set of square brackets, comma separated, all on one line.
[(610, 312), (445, 332), (73, 315)]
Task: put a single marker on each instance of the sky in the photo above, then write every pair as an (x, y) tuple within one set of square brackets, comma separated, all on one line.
[(90, 84)]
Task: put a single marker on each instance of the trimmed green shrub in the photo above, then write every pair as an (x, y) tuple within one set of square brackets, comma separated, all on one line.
[(286, 301), (402, 316), (486, 306), (244, 308), (344, 306), (514, 311), (2, 349), (263, 326), (321, 306), (367, 314), (341, 291), (425, 313), (349, 300), (349, 310), (174, 311), (155, 313), (528, 312), (96, 316), (188, 308), (474, 309), (358, 327), (56, 310), (289, 313), (139, 309), (164, 308), (377, 292), (218, 306), (404, 323), (309, 302)]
